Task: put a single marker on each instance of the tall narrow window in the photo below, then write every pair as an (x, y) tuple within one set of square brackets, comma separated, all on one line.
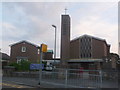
[(23, 49), (38, 51)]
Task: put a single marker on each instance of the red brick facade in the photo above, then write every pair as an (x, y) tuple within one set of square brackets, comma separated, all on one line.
[(31, 52)]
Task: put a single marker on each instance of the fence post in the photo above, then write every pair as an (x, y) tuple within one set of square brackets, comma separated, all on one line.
[(101, 78), (66, 78)]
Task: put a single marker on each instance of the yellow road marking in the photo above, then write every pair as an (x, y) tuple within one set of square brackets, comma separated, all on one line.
[(12, 85)]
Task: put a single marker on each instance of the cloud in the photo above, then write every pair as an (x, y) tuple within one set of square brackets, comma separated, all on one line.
[(11, 31), (5, 46), (94, 26), (43, 32), (40, 20), (32, 21)]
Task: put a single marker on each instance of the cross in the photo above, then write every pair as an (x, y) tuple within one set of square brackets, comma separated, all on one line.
[(66, 10)]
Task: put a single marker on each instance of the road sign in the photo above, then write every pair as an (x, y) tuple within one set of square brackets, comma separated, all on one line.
[(44, 48), (36, 66)]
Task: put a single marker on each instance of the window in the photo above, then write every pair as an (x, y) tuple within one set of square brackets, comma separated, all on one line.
[(18, 60), (23, 49), (81, 40), (84, 55), (38, 51), (90, 55), (81, 55), (21, 59)]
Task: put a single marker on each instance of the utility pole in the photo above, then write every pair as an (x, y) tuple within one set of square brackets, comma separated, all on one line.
[(40, 69), (43, 48)]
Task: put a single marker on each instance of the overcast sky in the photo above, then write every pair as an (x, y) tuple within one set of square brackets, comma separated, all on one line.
[(32, 21)]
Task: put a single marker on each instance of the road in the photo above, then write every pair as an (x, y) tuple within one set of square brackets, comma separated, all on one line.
[(12, 84)]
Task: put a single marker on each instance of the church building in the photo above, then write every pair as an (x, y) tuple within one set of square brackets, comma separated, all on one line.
[(86, 51)]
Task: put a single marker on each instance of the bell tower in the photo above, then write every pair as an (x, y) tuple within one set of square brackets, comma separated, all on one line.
[(65, 37)]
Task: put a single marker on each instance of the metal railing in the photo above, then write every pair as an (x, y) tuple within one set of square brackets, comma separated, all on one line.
[(73, 78), (69, 78)]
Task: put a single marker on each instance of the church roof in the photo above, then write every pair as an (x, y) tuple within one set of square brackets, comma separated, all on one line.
[(85, 35)]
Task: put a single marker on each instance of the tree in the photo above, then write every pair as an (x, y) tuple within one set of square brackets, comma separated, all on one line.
[(116, 57)]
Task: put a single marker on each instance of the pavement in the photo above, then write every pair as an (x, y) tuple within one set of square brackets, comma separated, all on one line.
[(12, 84), (30, 82), (52, 83)]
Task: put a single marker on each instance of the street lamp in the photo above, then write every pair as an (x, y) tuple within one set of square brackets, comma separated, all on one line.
[(55, 42)]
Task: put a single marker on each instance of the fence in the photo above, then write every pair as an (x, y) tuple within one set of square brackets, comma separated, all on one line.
[(110, 78), (71, 78)]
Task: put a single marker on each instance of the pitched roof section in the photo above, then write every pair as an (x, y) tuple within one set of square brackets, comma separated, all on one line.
[(24, 41), (4, 56), (85, 35)]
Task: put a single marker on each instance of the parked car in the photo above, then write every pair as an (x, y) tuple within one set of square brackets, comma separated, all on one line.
[(49, 67)]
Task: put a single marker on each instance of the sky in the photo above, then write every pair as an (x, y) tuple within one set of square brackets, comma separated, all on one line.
[(32, 21)]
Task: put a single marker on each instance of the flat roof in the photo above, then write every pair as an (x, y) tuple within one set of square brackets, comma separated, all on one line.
[(85, 60), (50, 51)]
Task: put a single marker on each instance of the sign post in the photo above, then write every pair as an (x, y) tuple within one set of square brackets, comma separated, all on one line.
[(43, 48)]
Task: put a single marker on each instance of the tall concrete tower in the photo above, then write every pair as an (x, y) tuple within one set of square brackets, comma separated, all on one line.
[(65, 37)]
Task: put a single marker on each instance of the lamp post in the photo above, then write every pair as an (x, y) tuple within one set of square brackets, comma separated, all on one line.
[(55, 42)]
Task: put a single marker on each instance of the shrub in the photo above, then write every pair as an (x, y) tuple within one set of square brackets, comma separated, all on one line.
[(21, 66), (45, 63), (15, 65)]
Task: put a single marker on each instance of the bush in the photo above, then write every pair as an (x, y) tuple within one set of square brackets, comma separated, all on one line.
[(24, 65), (45, 63), (21, 66), (15, 65)]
